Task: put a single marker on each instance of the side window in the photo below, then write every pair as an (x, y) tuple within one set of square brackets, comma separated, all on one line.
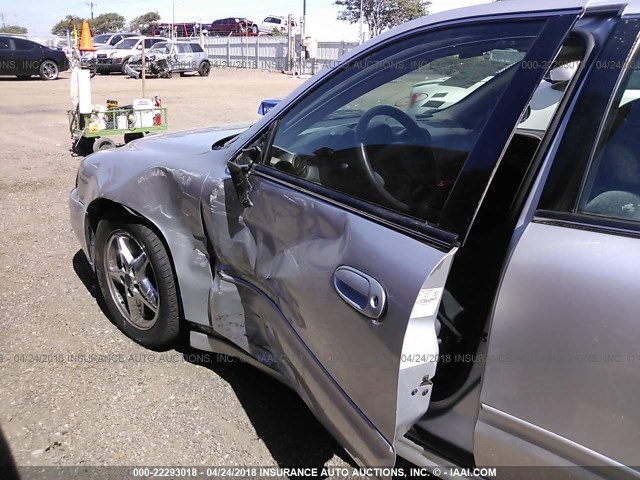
[(4, 44), (115, 40), (23, 44), (196, 48), (612, 188), (395, 128), (183, 48)]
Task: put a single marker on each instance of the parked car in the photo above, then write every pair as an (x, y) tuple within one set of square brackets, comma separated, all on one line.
[(279, 23), (107, 40), (64, 46), (24, 58), (180, 57), (450, 287), (231, 25), (113, 59)]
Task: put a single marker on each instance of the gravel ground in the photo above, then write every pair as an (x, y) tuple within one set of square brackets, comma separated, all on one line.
[(60, 406)]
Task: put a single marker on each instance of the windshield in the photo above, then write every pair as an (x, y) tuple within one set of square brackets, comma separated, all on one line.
[(161, 47), (101, 38), (127, 43)]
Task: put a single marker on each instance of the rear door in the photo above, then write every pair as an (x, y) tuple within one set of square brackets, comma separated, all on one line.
[(185, 57), (560, 386), (334, 276), (28, 56), (7, 60)]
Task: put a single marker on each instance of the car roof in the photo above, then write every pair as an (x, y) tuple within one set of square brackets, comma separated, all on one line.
[(517, 7), (12, 35), (117, 33), (140, 37)]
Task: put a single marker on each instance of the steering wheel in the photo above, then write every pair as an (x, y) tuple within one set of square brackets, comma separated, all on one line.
[(420, 135)]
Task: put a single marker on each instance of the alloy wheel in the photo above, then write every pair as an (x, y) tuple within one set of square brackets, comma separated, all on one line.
[(131, 280), (49, 70)]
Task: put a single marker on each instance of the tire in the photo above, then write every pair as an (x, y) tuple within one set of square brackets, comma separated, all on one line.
[(130, 137), (124, 63), (204, 69), (49, 70), (254, 29), (103, 143), (84, 146), (93, 68), (147, 288)]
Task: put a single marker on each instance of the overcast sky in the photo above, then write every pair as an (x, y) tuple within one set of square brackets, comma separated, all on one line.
[(40, 15)]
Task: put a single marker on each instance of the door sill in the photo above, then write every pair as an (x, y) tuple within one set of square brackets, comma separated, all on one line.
[(433, 463)]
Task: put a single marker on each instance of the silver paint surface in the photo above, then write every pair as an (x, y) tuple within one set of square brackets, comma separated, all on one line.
[(562, 351), (160, 179)]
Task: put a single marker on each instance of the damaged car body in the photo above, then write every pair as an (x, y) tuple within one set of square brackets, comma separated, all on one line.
[(396, 267)]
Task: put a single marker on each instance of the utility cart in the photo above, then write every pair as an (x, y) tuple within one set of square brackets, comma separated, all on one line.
[(90, 132)]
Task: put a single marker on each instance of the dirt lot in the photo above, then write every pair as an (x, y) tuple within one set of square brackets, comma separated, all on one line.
[(58, 406)]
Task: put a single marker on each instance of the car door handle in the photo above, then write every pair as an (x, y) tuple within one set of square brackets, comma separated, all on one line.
[(361, 291)]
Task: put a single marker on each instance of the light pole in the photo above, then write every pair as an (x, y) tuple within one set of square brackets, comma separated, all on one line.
[(91, 4), (304, 19), (361, 22)]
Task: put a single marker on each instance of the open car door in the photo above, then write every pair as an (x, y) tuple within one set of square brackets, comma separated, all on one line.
[(330, 270)]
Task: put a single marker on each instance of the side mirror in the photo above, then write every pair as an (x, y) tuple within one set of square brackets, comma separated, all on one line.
[(240, 174), (240, 179)]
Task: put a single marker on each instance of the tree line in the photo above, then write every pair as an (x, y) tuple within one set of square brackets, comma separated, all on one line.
[(379, 15), (106, 22)]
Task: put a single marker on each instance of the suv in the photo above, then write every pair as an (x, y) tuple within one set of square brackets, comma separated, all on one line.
[(232, 25), (181, 57), (280, 23), (24, 58), (113, 59), (106, 40)]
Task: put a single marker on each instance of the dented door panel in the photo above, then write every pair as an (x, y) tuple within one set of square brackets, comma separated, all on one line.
[(281, 255)]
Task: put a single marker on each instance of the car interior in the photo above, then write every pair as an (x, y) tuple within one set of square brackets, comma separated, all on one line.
[(364, 146), (613, 190)]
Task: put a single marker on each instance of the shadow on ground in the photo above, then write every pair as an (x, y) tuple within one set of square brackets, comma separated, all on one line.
[(287, 427), (88, 278), (8, 470)]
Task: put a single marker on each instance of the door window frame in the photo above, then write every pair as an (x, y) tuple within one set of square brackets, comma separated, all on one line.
[(442, 236), (573, 160)]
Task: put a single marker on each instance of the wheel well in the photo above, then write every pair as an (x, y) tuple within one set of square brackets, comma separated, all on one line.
[(102, 208)]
